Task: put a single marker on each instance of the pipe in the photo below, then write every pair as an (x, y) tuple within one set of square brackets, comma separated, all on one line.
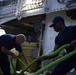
[(45, 56), (55, 62), (51, 64), (14, 67)]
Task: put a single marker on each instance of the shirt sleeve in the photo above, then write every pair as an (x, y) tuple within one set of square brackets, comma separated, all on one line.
[(74, 29), (18, 48), (7, 43)]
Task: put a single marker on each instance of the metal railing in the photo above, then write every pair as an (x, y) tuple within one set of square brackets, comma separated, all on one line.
[(35, 4), (8, 7), (11, 6)]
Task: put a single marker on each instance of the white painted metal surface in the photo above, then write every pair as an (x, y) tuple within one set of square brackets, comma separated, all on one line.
[(54, 5), (26, 8)]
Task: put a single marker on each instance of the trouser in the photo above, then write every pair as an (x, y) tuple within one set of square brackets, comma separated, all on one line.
[(4, 64), (64, 67)]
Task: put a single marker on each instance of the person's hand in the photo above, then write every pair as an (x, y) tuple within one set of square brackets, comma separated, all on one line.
[(39, 59), (73, 44)]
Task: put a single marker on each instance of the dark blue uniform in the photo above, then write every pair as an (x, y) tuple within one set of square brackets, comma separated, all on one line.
[(65, 38), (7, 41)]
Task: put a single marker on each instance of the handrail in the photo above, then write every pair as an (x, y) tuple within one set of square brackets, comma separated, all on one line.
[(8, 9), (51, 64)]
